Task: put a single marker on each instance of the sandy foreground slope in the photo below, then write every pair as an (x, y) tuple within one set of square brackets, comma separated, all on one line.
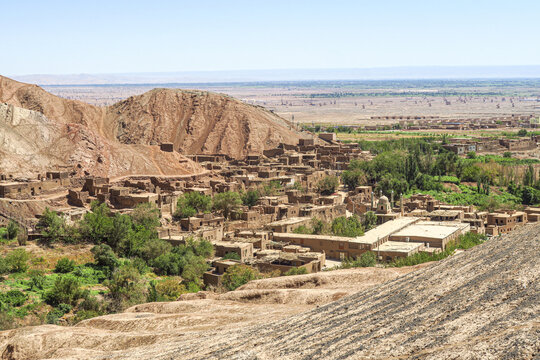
[(483, 303), (160, 325)]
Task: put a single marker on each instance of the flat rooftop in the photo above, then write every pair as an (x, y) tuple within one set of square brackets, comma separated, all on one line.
[(398, 246), (386, 229), (289, 221), (370, 237), (431, 230)]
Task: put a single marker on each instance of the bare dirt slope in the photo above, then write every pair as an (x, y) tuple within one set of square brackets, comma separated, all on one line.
[(198, 122), (483, 303), (161, 325), (32, 143), (61, 110), (195, 121)]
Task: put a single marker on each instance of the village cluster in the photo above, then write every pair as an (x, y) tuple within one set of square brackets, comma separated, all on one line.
[(263, 235), (423, 122)]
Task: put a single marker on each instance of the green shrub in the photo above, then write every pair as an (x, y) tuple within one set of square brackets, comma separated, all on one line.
[(17, 261), (55, 314), (37, 280), (126, 287), (328, 185), (66, 290), (13, 298), (12, 230), (105, 258), (64, 265), (238, 275), (232, 256), (89, 275), (367, 259), (4, 267), (166, 290)]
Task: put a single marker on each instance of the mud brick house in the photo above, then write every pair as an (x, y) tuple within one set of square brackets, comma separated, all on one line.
[(243, 249), (533, 214), (199, 221), (214, 276), (431, 233), (269, 261), (288, 225), (502, 223), (340, 247)]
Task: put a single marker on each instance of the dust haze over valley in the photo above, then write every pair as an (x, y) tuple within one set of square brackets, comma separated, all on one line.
[(266, 180)]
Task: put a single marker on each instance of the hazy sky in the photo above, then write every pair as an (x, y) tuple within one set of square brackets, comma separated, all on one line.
[(59, 37)]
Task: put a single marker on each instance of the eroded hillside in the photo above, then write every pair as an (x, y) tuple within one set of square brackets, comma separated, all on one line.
[(32, 143), (198, 122)]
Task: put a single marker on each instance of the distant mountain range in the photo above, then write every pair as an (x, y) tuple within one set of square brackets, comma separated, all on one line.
[(383, 73)]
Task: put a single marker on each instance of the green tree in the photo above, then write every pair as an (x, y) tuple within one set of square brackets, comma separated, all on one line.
[(97, 225), (168, 289), (522, 132), (328, 185), (296, 271), (353, 178), (271, 188), (122, 229), (51, 226), (227, 202), (66, 290), (17, 261), (471, 155), (126, 288), (232, 256), (250, 198), (147, 216), (367, 259), (238, 275), (105, 258), (191, 203), (369, 221), (350, 227)]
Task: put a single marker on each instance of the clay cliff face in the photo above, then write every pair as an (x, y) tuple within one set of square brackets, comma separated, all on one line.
[(32, 143), (195, 121)]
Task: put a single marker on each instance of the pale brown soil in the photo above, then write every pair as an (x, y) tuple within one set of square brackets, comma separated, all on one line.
[(478, 304), (157, 324)]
